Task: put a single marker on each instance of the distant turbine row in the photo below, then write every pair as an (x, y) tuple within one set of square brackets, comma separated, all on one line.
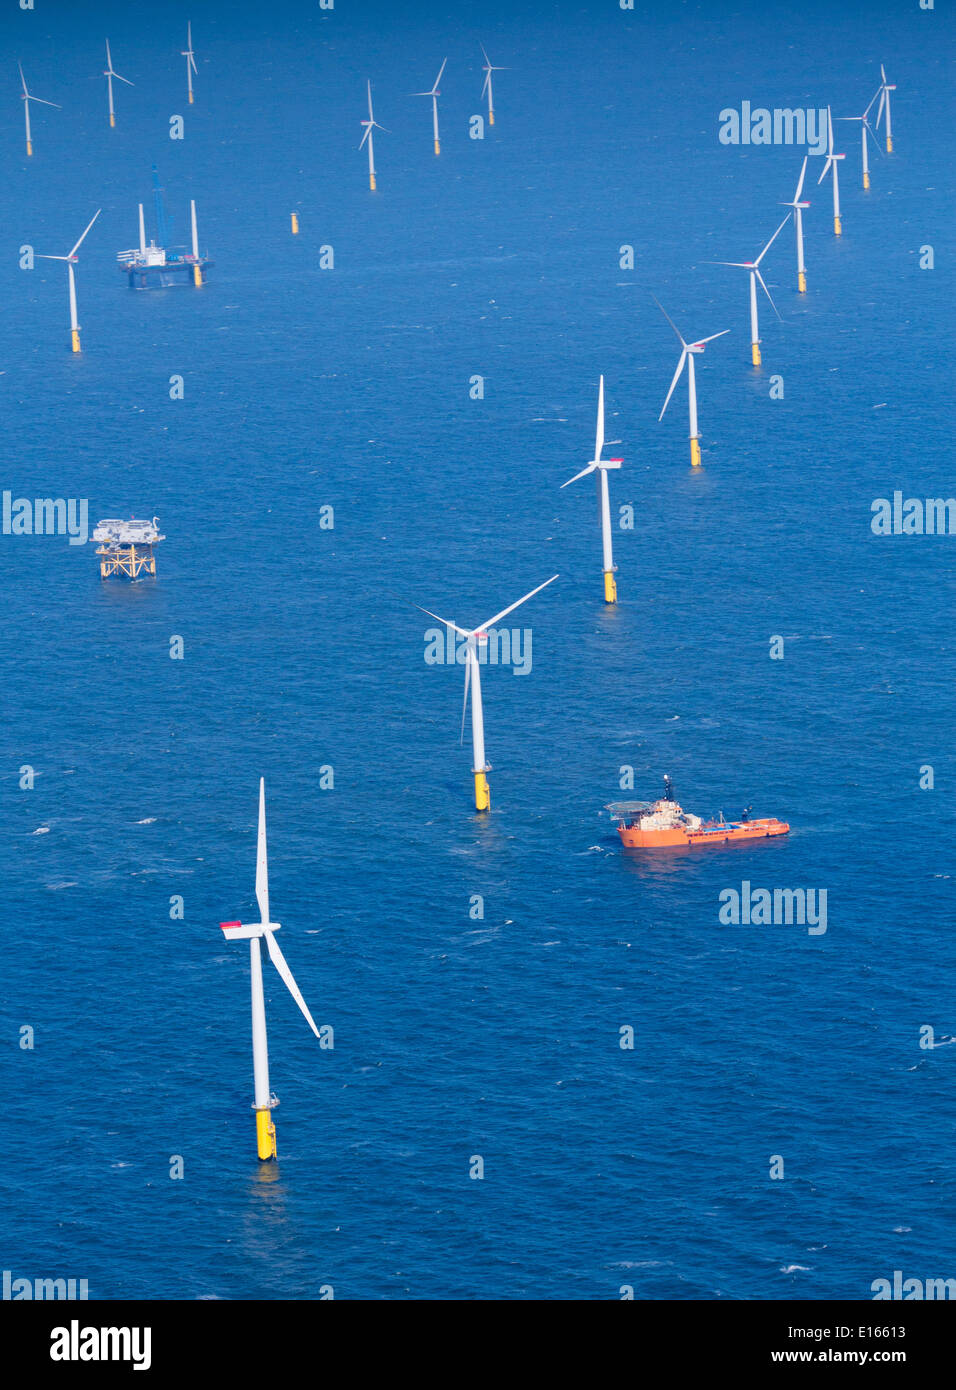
[(109, 73), (434, 92)]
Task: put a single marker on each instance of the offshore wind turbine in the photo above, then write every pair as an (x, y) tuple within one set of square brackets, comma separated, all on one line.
[(798, 207), (488, 69), (600, 467), (754, 268), (109, 74), (885, 89), (832, 164), (27, 98), (864, 128), (190, 57), (265, 1101), (477, 637), (71, 259), (688, 353), (369, 125), (434, 94)]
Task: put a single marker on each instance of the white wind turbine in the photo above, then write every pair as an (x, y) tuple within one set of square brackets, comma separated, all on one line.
[(190, 57), (70, 259), (265, 1101), (864, 128), (600, 466), (488, 69), (832, 164), (798, 208), (369, 125), (754, 269), (109, 74), (688, 352), (434, 94), (885, 89), (27, 98), (476, 637)]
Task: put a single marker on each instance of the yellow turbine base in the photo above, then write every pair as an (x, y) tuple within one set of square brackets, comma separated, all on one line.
[(75, 338), (491, 117), (889, 144), (695, 453), (197, 275), (437, 147), (802, 281), (866, 180), (295, 224), (265, 1135), (755, 353), (112, 119), (190, 98), (610, 588), (371, 182), (482, 793), (837, 227), (29, 147)]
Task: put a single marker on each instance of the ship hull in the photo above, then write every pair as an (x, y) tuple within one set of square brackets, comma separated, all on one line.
[(634, 838), (160, 277)]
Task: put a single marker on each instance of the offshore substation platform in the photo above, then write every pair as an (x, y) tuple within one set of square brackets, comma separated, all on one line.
[(126, 547)]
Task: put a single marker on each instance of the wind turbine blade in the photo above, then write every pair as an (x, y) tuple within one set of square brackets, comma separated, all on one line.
[(484, 85), (883, 72), (680, 368), (464, 704), (796, 196), (368, 131), (876, 143), (767, 292), (712, 337), (262, 858), (41, 257), (41, 102), (826, 169), (124, 79), (872, 99), (369, 86), (440, 71), (669, 320), (279, 961), (879, 109), (599, 436), (743, 265), (192, 63), (445, 621), (510, 609), (80, 242), (772, 240), (583, 474), (23, 80), (109, 60), (488, 60), (829, 131)]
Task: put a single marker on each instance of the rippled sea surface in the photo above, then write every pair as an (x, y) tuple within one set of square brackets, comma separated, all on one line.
[(458, 1036)]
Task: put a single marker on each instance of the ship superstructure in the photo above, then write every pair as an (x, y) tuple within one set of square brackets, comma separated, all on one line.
[(159, 264), (126, 547)]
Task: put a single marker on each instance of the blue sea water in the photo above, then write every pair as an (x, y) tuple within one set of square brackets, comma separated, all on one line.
[(349, 387)]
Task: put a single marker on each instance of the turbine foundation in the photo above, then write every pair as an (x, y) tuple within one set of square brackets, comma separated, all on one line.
[(29, 147), (610, 587), (75, 339), (837, 227), (197, 275), (112, 119), (131, 560), (190, 98), (695, 452), (295, 224), (802, 281), (889, 144), (437, 147), (265, 1135), (371, 182), (866, 180), (482, 793), (755, 353), (491, 119)]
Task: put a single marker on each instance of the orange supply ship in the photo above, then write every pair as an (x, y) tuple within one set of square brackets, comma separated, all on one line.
[(660, 824)]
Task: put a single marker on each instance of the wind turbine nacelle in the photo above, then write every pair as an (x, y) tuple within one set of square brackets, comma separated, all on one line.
[(611, 463), (695, 347), (236, 931)]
